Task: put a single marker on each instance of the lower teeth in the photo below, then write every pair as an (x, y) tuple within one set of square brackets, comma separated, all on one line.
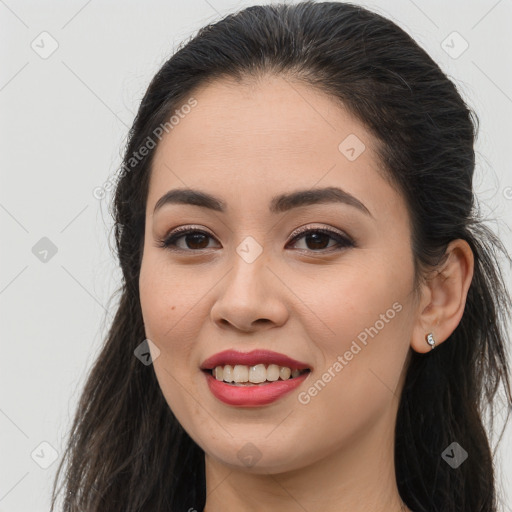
[(248, 383), (259, 384)]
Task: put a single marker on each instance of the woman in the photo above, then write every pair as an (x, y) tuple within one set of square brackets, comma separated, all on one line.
[(304, 268)]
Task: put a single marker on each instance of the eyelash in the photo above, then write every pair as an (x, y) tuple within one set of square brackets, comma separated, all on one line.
[(343, 241)]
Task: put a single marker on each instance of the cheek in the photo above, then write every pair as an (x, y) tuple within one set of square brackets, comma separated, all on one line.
[(370, 328), (357, 385), (168, 312), (165, 295), (175, 308), (363, 297), (166, 302)]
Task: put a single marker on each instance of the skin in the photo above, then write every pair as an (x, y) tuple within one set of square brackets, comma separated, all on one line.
[(246, 142)]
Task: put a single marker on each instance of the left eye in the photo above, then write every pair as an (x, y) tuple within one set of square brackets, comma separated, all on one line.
[(319, 236), (197, 240)]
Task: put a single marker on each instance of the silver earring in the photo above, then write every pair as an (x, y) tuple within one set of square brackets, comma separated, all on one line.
[(431, 341)]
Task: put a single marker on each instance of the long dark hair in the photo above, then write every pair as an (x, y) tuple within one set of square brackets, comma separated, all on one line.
[(126, 450)]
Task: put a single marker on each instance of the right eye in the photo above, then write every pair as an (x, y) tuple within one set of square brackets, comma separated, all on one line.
[(193, 238)]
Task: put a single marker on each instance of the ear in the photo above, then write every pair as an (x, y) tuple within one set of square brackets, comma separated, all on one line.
[(443, 296)]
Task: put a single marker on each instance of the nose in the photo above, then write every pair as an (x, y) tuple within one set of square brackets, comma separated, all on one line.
[(250, 297)]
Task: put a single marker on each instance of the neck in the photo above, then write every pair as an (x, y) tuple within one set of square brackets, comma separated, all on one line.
[(358, 477)]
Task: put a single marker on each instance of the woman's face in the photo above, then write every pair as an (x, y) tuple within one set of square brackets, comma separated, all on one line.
[(246, 281)]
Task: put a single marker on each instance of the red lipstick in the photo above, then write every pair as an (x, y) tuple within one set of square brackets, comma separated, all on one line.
[(252, 395), (252, 358)]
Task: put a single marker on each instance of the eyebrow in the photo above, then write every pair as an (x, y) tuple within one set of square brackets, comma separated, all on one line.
[(278, 204)]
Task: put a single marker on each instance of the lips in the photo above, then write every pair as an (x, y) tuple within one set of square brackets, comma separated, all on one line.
[(233, 357)]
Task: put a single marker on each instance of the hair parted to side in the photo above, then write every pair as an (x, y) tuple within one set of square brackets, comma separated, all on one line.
[(126, 450)]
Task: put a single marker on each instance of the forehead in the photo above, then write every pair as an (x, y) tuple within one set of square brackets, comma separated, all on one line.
[(254, 139), (238, 120)]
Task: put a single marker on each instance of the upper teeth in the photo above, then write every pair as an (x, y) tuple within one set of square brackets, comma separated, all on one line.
[(254, 374)]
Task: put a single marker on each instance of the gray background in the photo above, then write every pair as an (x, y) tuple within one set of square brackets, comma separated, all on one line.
[(64, 118)]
